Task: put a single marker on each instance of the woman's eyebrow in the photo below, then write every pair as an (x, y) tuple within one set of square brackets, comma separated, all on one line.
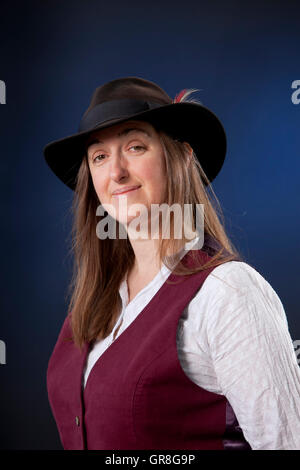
[(123, 132)]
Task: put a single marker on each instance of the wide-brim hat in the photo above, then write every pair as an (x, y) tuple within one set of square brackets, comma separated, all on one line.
[(135, 98)]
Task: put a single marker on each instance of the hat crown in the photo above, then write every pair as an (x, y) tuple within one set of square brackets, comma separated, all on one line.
[(128, 88)]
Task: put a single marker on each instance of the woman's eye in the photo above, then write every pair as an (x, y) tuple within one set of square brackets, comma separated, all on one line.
[(137, 147), (99, 156)]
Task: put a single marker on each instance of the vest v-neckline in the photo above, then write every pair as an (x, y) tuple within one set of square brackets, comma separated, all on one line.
[(140, 316), (132, 325), (127, 331)]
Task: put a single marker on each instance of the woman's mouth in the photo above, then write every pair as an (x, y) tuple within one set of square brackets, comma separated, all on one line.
[(126, 191)]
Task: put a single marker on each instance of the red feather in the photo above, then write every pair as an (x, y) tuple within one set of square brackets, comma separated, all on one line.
[(179, 96)]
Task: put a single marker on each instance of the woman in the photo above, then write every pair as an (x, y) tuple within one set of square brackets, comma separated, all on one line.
[(170, 342)]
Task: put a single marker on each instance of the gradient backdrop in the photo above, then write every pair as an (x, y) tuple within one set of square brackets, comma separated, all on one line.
[(243, 56)]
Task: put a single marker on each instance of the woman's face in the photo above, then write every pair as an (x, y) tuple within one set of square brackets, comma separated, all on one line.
[(127, 155)]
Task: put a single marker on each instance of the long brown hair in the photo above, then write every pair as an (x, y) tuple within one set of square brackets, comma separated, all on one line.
[(101, 265)]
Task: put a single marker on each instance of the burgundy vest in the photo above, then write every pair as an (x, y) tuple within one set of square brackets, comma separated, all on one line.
[(137, 395)]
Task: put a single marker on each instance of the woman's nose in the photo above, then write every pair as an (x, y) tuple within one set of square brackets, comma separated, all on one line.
[(118, 167)]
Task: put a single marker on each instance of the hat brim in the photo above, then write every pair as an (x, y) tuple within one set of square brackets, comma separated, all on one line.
[(186, 121)]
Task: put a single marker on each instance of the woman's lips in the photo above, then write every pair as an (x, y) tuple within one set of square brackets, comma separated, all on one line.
[(125, 192)]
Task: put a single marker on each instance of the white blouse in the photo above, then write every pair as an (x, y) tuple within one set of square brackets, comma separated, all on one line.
[(233, 339)]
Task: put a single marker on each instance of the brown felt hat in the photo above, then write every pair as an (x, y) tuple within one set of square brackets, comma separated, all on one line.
[(139, 99)]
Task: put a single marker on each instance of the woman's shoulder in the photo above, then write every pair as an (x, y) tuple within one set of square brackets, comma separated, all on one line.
[(237, 285), (238, 276), (235, 294), (235, 277)]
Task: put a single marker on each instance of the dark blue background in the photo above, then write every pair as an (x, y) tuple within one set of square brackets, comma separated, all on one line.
[(243, 56)]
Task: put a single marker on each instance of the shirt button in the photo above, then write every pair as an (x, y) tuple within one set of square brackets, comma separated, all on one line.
[(77, 421)]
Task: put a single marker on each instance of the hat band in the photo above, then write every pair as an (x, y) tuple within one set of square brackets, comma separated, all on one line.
[(115, 109)]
